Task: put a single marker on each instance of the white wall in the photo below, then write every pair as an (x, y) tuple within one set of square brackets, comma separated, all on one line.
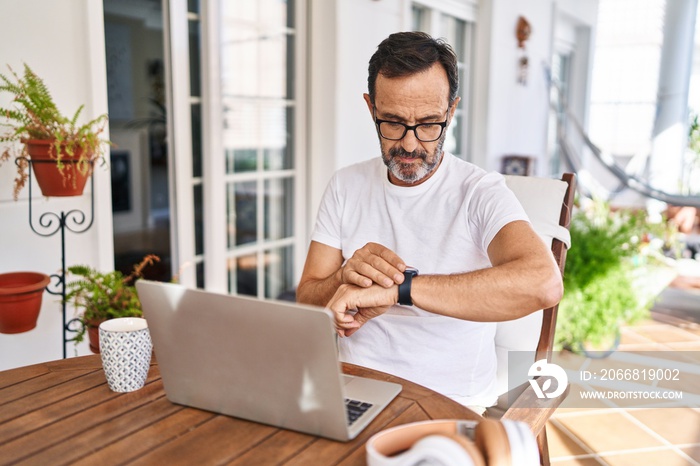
[(517, 115), (362, 26), (63, 42)]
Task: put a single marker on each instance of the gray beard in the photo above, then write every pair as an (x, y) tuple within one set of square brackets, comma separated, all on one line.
[(410, 173)]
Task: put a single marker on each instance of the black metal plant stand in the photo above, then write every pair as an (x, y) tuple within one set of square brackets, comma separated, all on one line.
[(51, 223)]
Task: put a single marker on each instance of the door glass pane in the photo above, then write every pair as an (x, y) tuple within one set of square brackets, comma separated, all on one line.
[(453, 140), (241, 160), (273, 52), (200, 275), (242, 209), (196, 118), (454, 30), (255, 60), (239, 60), (262, 12), (241, 136), (279, 208), (462, 87), (418, 17), (198, 220), (239, 11), (278, 272), (291, 19), (290, 66), (275, 13), (195, 69), (243, 275), (267, 13), (277, 129)]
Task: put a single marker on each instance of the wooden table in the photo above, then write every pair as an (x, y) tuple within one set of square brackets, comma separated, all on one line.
[(63, 412)]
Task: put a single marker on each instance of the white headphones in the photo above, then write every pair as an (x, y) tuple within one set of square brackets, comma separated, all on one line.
[(454, 443)]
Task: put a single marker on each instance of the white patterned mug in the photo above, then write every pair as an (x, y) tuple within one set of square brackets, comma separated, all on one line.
[(125, 347)]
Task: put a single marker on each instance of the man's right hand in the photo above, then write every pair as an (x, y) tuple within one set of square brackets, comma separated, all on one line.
[(373, 263)]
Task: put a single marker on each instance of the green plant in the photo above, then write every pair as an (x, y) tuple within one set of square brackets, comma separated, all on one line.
[(33, 114), (694, 134), (599, 279), (99, 296), (691, 169)]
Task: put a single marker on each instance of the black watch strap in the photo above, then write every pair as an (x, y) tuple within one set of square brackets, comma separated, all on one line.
[(405, 287)]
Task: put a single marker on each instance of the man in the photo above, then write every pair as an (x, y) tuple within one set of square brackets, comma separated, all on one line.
[(479, 260)]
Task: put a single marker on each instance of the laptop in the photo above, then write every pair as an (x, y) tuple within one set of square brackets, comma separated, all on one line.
[(272, 362)]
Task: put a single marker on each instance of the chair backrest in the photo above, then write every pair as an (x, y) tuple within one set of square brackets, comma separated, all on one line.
[(548, 203)]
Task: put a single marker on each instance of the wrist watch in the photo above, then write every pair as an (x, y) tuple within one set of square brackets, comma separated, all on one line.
[(405, 287)]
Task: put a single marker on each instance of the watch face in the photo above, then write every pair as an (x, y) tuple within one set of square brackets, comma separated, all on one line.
[(411, 270)]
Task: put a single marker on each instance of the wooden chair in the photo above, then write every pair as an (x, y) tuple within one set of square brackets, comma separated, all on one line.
[(548, 203)]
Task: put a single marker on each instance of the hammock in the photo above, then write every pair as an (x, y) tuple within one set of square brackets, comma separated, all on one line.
[(588, 185)]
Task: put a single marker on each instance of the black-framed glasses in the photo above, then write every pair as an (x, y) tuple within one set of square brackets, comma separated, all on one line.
[(395, 131)]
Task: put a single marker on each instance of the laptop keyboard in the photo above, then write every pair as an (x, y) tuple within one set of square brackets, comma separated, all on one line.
[(355, 409)]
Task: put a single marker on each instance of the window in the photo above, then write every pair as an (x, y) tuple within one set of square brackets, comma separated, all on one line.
[(625, 75)]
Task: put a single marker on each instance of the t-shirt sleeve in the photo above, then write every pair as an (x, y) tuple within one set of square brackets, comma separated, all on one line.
[(328, 224), (492, 207)]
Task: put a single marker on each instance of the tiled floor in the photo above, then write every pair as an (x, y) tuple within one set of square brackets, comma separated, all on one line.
[(641, 436)]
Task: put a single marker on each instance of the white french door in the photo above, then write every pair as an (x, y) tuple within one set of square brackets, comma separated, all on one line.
[(236, 92)]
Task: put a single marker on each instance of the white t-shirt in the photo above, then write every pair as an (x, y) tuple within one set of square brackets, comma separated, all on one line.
[(441, 226)]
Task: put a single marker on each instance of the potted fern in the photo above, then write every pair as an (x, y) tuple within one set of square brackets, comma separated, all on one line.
[(99, 296), (61, 151)]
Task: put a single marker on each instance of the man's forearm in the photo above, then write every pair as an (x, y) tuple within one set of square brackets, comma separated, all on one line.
[(523, 279), (318, 291), (493, 294)]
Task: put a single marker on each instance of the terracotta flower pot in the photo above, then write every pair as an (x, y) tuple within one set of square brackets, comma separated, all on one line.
[(52, 182), (93, 331), (20, 300)]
